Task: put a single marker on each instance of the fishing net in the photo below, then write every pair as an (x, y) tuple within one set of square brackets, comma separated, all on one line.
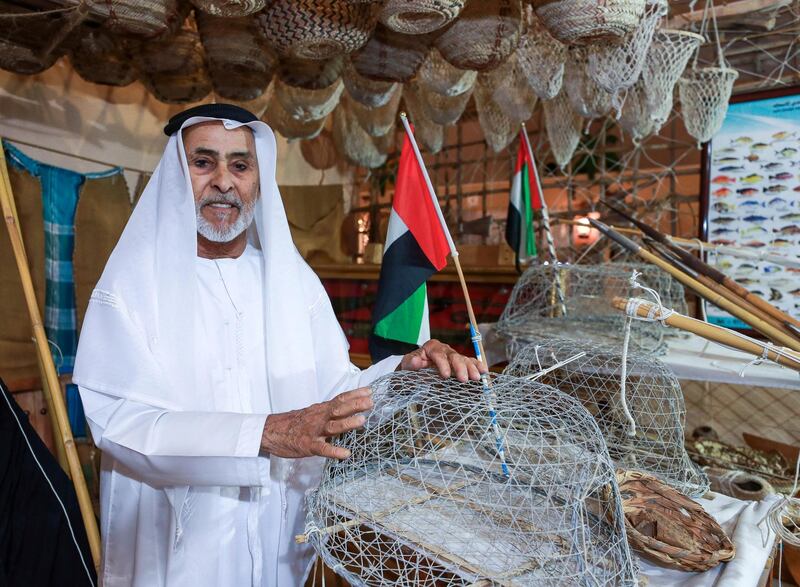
[(276, 117), (368, 92), (440, 109), (534, 307), (352, 141), (587, 98), (230, 8), (498, 129), (420, 16), (428, 134), (541, 58), (307, 105), (635, 118), (483, 36), (437, 75), (98, 58), (579, 22), (665, 61), (310, 74), (317, 29), (425, 497), (642, 421), (384, 143), (704, 97), (380, 120), (511, 90), (616, 67), (391, 57), (563, 126)]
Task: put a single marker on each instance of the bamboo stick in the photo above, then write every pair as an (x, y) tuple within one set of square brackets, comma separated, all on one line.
[(46, 358), (714, 333), (766, 329)]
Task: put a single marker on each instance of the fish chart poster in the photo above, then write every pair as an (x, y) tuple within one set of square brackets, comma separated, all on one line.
[(752, 198)]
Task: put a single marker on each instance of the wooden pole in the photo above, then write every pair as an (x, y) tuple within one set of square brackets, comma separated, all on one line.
[(49, 368), (714, 333)]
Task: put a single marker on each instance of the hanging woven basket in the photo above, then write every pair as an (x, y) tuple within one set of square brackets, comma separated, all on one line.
[(444, 110), (317, 29), (229, 8), (635, 118), (581, 22), (353, 142), (428, 134), (239, 61), (420, 16), (180, 53), (563, 126), (177, 87), (370, 93), (541, 58), (668, 527), (310, 74), (308, 105), (98, 58), (510, 90), (376, 121), (385, 143), (437, 75), (587, 98), (704, 97), (147, 19), (391, 57), (483, 36), (320, 152), (498, 129), (281, 121), (25, 37), (18, 58)]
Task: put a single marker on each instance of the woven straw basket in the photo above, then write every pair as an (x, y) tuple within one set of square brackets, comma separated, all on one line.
[(181, 53), (97, 58), (370, 93), (229, 8), (20, 59), (420, 16), (376, 121), (147, 19), (308, 105), (353, 142), (483, 36), (444, 110), (580, 22), (668, 527), (317, 29), (391, 57), (178, 88), (437, 75), (280, 120), (310, 74)]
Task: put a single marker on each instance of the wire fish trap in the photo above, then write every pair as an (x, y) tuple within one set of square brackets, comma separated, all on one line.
[(370, 93), (642, 422), (444, 110), (229, 8), (352, 141), (581, 22), (437, 75), (563, 126), (423, 499), (541, 58), (379, 120), (483, 36), (704, 97), (420, 16), (511, 90), (498, 129), (587, 98), (317, 29), (98, 58), (391, 57), (308, 105)]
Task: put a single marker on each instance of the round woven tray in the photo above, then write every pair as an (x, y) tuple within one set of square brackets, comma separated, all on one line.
[(580, 22), (370, 93), (390, 56), (483, 36), (420, 16), (310, 74), (98, 58), (668, 527), (320, 152), (229, 8), (317, 29)]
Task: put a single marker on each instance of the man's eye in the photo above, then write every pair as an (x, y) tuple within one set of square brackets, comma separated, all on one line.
[(201, 163), (241, 167)]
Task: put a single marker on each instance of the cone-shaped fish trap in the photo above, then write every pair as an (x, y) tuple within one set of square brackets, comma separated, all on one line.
[(704, 100), (541, 58)]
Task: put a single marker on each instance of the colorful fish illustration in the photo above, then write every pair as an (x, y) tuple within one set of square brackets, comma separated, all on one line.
[(775, 295), (725, 220), (791, 216), (747, 191), (777, 202), (746, 268), (752, 178), (795, 292), (772, 166), (746, 281), (722, 241), (782, 242), (742, 140), (755, 218), (727, 150), (717, 231), (726, 160), (751, 204), (797, 188), (782, 175), (787, 152), (752, 230), (788, 230), (723, 207), (752, 157), (782, 135), (723, 179), (772, 268), (722, 192), (725, 264), (775, 189), (730, 168), (759, 146), (754, 244)]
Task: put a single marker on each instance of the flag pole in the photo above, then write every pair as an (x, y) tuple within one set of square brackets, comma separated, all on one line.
[(475, 334), (548, 233)]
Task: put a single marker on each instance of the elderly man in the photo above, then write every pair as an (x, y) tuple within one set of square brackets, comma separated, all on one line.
[(213, 371)]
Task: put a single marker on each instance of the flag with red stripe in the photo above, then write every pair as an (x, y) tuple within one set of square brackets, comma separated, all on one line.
[(525, 197)]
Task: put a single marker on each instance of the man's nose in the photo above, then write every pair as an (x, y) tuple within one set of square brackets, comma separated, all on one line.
[(222, 179)]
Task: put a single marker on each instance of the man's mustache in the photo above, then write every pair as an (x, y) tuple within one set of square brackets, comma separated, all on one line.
[(221, 198)]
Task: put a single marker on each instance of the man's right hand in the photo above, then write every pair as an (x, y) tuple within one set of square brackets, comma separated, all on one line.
[(304, 433)]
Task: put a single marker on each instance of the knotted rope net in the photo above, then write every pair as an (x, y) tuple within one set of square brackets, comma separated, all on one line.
[(352, 141), (637, 403), (439, 108), (370, 93), (635, 118), (309, 73), (437, 75), (428, 134), (704, 97), (425, 497), (307, 105), (379, 120), (563, 126), (511, 90), (616, 67), (280, 120), (498, 129), (587, 98), (541, 58)]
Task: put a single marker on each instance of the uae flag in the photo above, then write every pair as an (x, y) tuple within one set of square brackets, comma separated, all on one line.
[(525, 198), (416, 248)]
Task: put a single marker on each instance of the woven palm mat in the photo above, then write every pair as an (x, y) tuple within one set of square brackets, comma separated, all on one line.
[(667, 527)]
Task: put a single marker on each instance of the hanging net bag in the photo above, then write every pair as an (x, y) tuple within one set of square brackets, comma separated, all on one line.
[(511, 90), (391, 57), (704, 95), (541, 58), (618, 67), (230, 8), (310, 74), (317, 29), (320, 152), (483, 36), (642, 421), (664, 63), (437, 75), (428, 134), (368, 92), (420, 16), (580, 22), (498, 129), (563, 126), (440, 109), (380, 120), (635, 118), (307, 105), (352, 141), (281, 121), (587, 98), (425, 498), (99, 59)]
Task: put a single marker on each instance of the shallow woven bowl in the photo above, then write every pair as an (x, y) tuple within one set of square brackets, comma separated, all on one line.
[(581, 22), (670, 528), (229, 8), (391, 57), (420, 16), (317, 29), (483, 36)]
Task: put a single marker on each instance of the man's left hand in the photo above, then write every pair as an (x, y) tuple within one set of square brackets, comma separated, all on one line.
[(444, 359)]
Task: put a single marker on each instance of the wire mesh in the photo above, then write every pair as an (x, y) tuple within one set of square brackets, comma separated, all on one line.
[(654, 442), (423, 500)]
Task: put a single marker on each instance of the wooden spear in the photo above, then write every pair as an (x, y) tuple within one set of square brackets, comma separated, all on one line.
[(46, 359), (718, 276), (757, 323), (714, 333)]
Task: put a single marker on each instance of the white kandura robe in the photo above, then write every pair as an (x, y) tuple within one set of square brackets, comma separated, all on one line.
[(182, 502)]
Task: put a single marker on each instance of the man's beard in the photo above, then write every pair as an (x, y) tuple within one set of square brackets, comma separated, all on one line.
[(224, 235)]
